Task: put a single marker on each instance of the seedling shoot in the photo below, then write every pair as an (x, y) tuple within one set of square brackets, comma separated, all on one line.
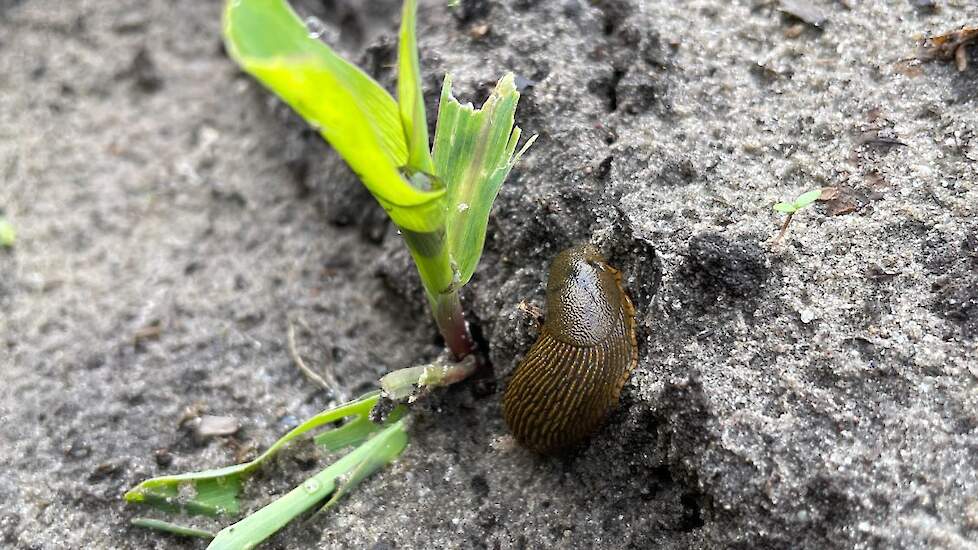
[(438, 198)]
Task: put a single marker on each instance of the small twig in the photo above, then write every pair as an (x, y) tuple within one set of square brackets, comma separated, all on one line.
[(331, 386), (784, 228)]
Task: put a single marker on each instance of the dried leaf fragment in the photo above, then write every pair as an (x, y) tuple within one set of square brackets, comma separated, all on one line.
[(828, 193), (950, 45), (840, 206)]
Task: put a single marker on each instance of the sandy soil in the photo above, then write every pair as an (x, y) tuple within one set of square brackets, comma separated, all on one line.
[(817, 393)]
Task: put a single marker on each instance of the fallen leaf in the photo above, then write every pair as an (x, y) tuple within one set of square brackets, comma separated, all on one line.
[(846, 200), (837, 207), (828, 193)]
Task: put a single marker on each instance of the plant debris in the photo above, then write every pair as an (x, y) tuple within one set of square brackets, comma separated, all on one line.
[(846, 199), (950, 45), (326, 381), (8, 236), (828, 193), (209, 426), (873, 137), (805, 12), (151, 331)]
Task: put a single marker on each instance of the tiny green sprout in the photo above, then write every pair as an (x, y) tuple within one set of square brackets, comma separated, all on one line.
[(8, 236), (804, 200)]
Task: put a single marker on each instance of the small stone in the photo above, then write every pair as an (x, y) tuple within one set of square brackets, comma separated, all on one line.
[(163, 458), (479, 31), (212, 426), (807, 316)]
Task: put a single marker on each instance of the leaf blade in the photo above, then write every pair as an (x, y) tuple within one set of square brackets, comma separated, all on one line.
[(173, 528), (410, 96), (475, 149), (216, 491), (355, 466), (352, 112), (808, 198)]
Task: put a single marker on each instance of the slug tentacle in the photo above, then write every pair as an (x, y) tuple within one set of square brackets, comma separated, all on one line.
[(573, 374)]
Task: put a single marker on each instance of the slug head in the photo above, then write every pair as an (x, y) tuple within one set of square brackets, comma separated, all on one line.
[(583, 297)]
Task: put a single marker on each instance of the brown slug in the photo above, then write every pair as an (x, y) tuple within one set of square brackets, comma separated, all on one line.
[(573, 374)]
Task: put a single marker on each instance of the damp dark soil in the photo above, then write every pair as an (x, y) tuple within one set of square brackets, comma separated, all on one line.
[(172, 219)]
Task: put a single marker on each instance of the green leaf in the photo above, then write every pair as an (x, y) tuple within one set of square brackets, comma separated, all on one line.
[(786, 207), (352, 112), (808, 198), (172, 528), (410, 97), (379, 452), (215, 492), (474, 152), (337, 479), (8, 236)]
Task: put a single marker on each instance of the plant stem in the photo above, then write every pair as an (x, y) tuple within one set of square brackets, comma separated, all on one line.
[(447, 309), (784, 228), (430, 253), (412, 382)]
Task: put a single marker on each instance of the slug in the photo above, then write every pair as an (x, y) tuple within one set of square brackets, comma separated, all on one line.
[(573, 374)]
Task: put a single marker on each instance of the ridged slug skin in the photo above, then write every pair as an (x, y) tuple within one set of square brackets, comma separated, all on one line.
[(572, 376)]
